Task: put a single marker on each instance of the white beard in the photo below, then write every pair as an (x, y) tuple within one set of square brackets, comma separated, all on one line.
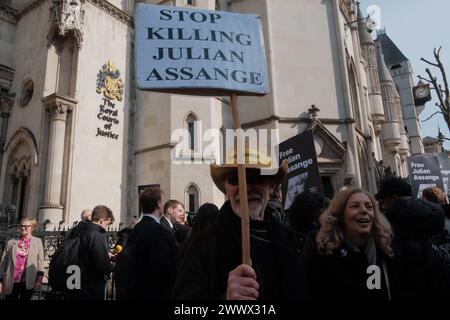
[(256, 212)]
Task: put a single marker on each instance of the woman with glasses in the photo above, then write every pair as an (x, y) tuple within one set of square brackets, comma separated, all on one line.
[(22, 264)]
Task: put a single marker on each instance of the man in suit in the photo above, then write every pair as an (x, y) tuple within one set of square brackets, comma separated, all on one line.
[(173, 220), (156, 250)]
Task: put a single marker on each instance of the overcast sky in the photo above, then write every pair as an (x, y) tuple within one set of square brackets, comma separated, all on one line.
[(416, 27)]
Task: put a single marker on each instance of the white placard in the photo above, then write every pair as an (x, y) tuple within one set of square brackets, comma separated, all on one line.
[(199, 50)]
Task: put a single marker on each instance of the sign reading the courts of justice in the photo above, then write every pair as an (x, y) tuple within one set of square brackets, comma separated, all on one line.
[(181, 48)]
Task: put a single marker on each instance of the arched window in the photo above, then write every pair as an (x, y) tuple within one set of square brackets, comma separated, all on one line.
[(354, 99), (18, 180), (22, 157), (192, 195), (190, 126)]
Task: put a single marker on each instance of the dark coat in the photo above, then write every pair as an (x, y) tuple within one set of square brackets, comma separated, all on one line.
[(343, 275), (179, 231), (94, 262), (203, 273), (156, 254), (276, 209), (414, 222), (165, 223)]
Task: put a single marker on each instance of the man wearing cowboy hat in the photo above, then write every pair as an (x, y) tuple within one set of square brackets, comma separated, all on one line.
[(212, 267)]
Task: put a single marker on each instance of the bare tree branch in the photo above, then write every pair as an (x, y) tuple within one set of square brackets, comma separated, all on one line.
[(444, 76), (436, 87), (424, 79), (438, 52), (437, 112), (442, 92), (433, 64)]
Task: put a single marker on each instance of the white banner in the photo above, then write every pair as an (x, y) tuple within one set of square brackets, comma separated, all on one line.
[(182, 48)]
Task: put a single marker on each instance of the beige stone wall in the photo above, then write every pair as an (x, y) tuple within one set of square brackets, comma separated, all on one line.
[(30, 60), (163, 115), (152, 117), (304, 67), (158, 116), (152, 168), (123, 5), (99, 163), (212, 114), (7, 39), (256, 108), (199, 175)]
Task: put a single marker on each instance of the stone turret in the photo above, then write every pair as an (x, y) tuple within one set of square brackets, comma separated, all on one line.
[(370, 55), (402, 74), (391, 125)]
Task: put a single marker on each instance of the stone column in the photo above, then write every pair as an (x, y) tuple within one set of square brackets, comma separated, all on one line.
[(57, 106), (6, 104)]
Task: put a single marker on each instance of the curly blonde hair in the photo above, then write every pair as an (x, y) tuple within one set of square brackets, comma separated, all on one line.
[(331, 233)]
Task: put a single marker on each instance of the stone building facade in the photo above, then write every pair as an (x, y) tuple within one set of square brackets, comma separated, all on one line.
[(75, 131)]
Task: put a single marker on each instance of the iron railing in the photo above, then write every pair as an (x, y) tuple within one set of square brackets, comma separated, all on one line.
[(51, 239)]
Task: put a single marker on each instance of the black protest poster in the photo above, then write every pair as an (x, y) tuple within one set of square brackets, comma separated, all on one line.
[(424, 172), (444, 164), (143, 187), (303, 172)]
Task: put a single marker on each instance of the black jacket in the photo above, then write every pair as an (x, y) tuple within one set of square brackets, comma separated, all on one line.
[(179, 231), (343, 275), (414, 222), (156, 254), (416, 218), (94, 262), (209, 258)]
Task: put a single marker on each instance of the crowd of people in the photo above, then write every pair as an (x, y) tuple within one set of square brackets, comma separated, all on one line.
[(388, 246)]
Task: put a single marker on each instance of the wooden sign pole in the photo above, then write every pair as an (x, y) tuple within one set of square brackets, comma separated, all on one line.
[(245, 220)]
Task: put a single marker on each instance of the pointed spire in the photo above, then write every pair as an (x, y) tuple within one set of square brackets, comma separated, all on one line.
[(383, 71), (440, 136), (393, 55), (364, 35)]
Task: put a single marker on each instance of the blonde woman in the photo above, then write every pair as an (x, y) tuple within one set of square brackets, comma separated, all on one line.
[(350, 256), (22, 264)]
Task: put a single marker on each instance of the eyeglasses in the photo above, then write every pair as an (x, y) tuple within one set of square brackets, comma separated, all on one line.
[(25, 226), (252, 177)]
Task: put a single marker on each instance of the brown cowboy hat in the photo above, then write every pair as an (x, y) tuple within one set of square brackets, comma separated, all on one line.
[(253, 160)]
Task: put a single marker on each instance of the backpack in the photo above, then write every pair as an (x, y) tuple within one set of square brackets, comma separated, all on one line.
[(125, 271), (65, 255)]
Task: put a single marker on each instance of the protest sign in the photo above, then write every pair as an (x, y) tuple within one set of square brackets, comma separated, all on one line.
[(303, 171)]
